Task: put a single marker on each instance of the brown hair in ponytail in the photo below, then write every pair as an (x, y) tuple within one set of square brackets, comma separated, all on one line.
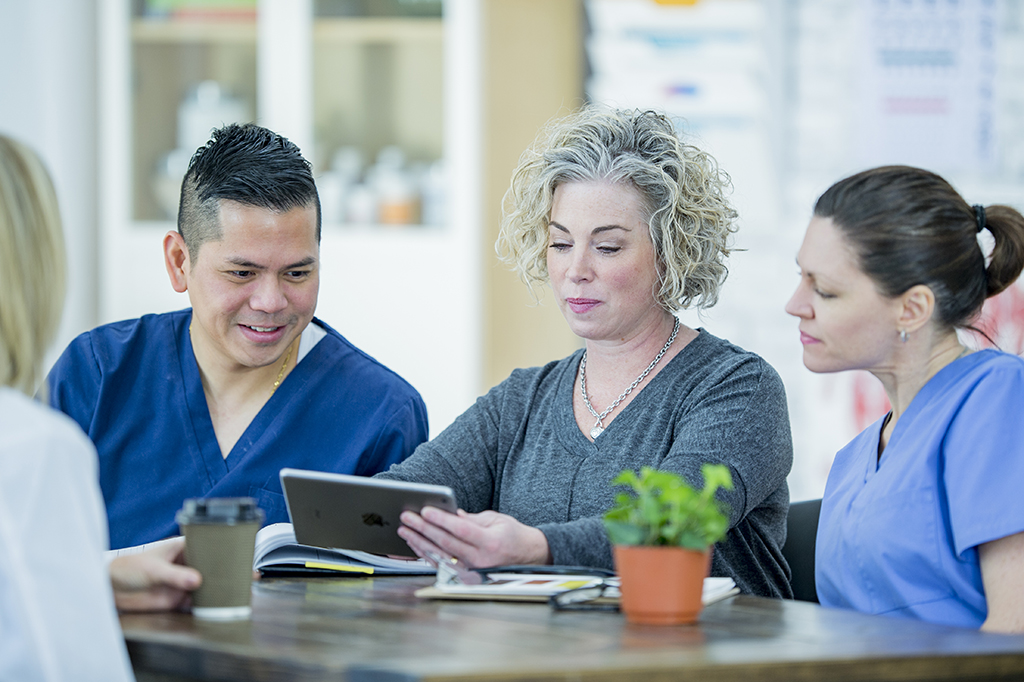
[(1007, 227), (908, 226)]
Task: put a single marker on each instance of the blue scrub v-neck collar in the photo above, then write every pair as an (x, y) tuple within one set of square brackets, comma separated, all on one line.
[(205, 438), (946, 376)]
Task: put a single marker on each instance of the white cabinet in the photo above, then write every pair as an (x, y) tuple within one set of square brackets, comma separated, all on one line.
[(408, 294)]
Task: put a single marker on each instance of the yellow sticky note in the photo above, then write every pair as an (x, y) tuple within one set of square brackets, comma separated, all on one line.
[(573, 584), (336, 567)]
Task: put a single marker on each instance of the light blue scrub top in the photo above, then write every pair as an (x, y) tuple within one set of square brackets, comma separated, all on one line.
[(899, 536)]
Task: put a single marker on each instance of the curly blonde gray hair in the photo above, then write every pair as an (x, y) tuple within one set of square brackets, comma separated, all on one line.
[(683, 190)]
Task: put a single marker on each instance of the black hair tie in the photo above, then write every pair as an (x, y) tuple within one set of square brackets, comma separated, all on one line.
[(979, 215)]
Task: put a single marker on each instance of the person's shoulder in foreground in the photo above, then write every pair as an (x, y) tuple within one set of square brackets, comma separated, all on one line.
[(51, 513)]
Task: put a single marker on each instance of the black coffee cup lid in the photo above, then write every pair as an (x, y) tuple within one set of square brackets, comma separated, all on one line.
[(219, 510)]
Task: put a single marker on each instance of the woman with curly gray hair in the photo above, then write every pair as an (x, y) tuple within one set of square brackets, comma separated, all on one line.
[(628, 224)]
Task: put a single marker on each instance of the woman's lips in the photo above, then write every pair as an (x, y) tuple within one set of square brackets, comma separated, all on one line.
[(581, 305), (807, 339)]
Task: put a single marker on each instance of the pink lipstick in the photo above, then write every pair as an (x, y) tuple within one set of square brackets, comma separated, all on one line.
[(582, 305)]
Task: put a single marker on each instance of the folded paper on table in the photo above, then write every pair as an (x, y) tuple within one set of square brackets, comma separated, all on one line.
[(538, 587), (277, 552), (112, 554)]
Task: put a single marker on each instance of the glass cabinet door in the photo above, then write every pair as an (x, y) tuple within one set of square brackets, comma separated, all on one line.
[(378, 111), (376, 114), (193, 69)]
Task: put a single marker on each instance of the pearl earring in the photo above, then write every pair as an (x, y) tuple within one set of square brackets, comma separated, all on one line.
[(903, 335)]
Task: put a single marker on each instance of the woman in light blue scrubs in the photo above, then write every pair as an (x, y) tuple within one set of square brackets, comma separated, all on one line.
[(923, 512)]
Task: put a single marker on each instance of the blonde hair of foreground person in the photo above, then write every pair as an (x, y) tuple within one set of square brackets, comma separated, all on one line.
[(63, 614), (682, 187), (31, 266)]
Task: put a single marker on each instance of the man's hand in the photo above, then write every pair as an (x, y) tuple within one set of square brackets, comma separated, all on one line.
[(155, 580), (476, 540)]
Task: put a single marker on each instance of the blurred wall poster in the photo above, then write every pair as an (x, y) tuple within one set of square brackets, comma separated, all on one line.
[(707, 66), (927, 84)]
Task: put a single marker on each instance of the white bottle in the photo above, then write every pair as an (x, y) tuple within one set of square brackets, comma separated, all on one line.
[(206, 108)]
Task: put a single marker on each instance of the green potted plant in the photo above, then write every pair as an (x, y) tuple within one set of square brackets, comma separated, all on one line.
[(662, 531)]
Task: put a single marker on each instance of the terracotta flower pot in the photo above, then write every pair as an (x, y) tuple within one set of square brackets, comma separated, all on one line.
[(661, 585)]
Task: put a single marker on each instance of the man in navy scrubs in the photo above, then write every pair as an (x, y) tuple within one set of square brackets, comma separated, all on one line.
[(214, 400)]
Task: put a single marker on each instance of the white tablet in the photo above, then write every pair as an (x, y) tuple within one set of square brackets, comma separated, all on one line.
[(354, 512)]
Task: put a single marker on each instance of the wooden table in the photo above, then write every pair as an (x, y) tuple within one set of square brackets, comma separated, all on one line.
[(375, 629)]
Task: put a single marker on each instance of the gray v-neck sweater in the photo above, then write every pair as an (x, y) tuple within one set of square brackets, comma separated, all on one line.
[(519, 451)]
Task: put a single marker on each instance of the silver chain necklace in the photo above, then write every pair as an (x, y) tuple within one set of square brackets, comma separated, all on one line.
[(599, 426)]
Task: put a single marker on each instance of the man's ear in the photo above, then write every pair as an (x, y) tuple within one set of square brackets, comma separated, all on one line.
[(918, 307), (176, 261)]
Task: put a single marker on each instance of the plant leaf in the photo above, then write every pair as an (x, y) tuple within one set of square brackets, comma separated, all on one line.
[(716, 476), (663, 509), (620, 533)]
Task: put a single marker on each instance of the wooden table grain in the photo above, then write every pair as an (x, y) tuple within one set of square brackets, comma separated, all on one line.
[(376, 630)]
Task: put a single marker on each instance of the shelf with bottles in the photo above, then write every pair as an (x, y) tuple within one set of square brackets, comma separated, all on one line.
[(352, 30), (176, 31), (378, 119), (194, 21), (193, 67), (377, 95), (390, 193)]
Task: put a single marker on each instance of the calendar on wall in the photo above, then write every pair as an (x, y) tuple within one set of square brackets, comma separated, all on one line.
[(927, 84)]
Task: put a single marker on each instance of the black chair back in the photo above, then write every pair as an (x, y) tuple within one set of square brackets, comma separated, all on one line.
[(801, 531)]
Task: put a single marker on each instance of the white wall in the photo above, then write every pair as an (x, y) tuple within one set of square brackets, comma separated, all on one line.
[(792, 95), (48, 101)]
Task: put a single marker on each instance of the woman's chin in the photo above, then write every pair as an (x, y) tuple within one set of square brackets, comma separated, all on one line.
[(584, 329), (820, 366)]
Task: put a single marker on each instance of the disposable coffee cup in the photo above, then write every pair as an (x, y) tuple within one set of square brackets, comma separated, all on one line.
[(220, 535)]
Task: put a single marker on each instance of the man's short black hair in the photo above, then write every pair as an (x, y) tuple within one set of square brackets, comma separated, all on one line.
[(248, 164)]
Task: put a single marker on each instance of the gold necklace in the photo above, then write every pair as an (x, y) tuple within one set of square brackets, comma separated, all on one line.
[(284, 365)]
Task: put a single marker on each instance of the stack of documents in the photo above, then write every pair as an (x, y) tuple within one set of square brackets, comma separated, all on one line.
[(539, 587)]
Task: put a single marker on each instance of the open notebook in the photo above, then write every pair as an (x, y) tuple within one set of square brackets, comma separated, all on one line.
[(277, 553)]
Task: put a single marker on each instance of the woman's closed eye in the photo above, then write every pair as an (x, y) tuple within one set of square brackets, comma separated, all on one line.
[(817, 290)]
